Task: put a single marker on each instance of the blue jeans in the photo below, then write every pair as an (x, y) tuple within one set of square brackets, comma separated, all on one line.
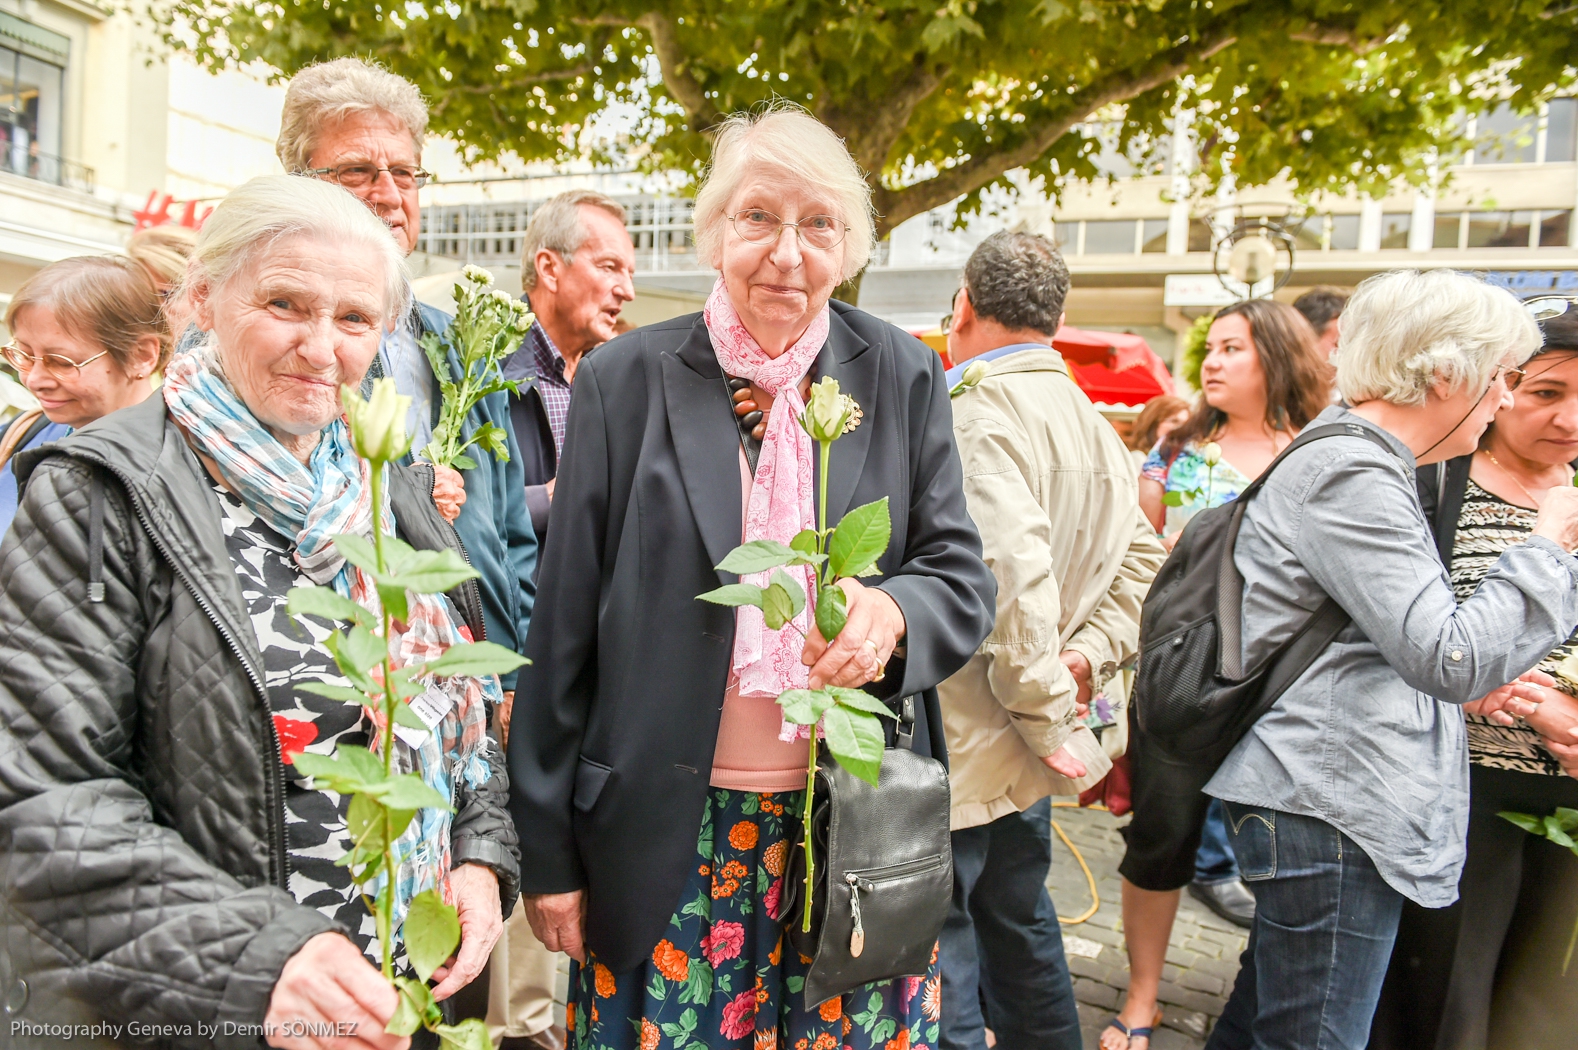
[(1213, 861), (1324, 926), (1002, 938)]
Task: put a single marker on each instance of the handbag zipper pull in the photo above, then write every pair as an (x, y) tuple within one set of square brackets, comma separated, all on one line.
[(857, 939)]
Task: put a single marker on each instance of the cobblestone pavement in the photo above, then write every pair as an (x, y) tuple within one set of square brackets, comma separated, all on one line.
[(1202, 959)]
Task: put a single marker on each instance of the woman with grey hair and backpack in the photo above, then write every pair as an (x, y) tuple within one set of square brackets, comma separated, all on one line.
[(1320, 697)]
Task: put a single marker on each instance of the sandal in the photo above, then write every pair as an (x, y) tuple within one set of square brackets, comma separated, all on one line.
[(1132, 1034)]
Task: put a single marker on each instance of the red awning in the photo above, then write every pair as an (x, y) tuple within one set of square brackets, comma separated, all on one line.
[(1112, 367)]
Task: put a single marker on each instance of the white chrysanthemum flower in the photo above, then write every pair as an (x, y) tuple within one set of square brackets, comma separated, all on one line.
[(477, 275)]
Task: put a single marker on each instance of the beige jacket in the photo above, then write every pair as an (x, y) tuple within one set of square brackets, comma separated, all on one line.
[(1056, 497)]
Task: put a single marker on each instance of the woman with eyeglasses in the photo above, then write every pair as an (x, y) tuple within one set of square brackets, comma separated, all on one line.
[(1523, 757), (1350, 795), (652, 767), (86, 335)]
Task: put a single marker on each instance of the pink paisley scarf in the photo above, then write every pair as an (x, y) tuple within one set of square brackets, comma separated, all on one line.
[(781, 502)]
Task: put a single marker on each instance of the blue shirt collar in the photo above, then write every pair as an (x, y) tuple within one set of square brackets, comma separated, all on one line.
[(955, 373)]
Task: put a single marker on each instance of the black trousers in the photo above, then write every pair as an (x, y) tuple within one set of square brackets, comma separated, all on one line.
[(1442, 978)]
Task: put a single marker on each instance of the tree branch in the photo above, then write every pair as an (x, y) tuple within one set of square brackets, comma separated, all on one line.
[(677, 78), (894, 206), (1338, 36), (870, 136)]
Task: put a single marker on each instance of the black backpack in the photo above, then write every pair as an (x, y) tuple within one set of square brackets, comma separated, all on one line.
[(1192, 696)]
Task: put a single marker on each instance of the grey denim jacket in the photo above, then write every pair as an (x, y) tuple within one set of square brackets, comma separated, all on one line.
[(1370, 738)]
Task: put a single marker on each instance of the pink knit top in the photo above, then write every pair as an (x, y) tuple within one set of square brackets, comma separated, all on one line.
[(749, 755)]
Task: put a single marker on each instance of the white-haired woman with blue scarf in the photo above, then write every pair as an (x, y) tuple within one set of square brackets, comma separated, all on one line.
[(161, 860)]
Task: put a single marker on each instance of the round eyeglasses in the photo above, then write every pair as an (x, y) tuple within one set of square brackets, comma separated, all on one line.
[(1513, 377), (361, 176), (54, 364), (762, 227), (1545, 307)]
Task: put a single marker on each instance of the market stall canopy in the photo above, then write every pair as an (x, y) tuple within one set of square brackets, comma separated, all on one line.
[(1113, 368)]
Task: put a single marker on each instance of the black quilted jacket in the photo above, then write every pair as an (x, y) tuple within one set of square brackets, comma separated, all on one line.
[(142, 829)]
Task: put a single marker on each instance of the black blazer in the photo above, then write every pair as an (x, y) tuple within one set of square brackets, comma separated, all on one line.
[(616, 719)]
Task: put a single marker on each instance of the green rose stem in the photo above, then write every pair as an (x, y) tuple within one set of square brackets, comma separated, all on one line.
[(816, 593), (383, 804)]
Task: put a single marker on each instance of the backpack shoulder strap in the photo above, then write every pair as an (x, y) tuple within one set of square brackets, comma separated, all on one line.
[(22, 429), (1327, 621)]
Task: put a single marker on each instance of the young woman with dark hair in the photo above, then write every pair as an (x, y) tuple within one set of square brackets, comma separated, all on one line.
[(1263, 380)]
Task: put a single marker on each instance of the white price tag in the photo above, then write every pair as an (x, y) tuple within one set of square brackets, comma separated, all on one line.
[(430, 707)]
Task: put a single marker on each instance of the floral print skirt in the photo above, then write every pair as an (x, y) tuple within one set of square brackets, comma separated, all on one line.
[(724, 977)]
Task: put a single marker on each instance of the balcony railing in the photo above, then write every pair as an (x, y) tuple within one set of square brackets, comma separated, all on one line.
[(46, 167)]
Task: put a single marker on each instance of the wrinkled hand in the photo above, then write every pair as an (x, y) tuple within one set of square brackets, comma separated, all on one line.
[(1060, 761), (559, 921), (506, 709), (1079, 667), (863, 647), (449, 491), (1567, 755), (1556, 717), (1558, 520), (474, 891), (328, 982), (1517, 699)]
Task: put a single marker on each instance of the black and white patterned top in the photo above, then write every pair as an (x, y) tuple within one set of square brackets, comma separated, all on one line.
[(293, 652), (1486, 526)]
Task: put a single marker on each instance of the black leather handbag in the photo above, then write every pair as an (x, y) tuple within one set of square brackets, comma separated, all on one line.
[(884, 871)]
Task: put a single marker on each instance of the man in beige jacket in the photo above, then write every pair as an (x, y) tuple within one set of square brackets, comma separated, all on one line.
[(1055, 496)]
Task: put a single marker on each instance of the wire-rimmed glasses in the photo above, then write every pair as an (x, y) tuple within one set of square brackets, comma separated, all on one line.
[(821, 232), (361, 176), (54, 364)]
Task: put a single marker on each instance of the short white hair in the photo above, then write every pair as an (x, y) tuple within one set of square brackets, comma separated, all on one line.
[(558, 227), (784, 141), (246, 225), (1403, 331), (324, 94)]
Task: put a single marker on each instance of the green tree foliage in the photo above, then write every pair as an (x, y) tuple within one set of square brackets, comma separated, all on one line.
[(942, 99)]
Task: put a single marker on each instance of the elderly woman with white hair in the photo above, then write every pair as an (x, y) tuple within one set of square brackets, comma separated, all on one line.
[(163, 863), (650, 765), (1351, 794)]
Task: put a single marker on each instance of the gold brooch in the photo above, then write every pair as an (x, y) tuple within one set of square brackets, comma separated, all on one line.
[(855, 414)]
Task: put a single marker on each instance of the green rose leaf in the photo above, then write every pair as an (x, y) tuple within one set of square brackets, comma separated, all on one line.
[(756, 556), (409, 791), (831, 614), (1567, 818), (403, 685), (431, 931), (856, 741), (861, 701), (778, 605), (1554, 832), (794, 588), (358, 551), (804, 541), (860, 538), (350, 769), (335, 692), (1533, 825), (414, 997), (429, 572), (475, 658), (325, 602), (360, 650), (734, 594), (404, 716), (1172, 499), (394, 599), (804, 707), (470, 1034)]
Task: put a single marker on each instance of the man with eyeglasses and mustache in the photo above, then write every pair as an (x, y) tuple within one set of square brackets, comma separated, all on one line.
[(358, 125)]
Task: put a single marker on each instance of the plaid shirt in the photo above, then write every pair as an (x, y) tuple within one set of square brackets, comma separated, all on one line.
[(552, 387)]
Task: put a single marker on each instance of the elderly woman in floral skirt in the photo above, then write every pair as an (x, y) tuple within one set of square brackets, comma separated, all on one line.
[(652, 767)]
